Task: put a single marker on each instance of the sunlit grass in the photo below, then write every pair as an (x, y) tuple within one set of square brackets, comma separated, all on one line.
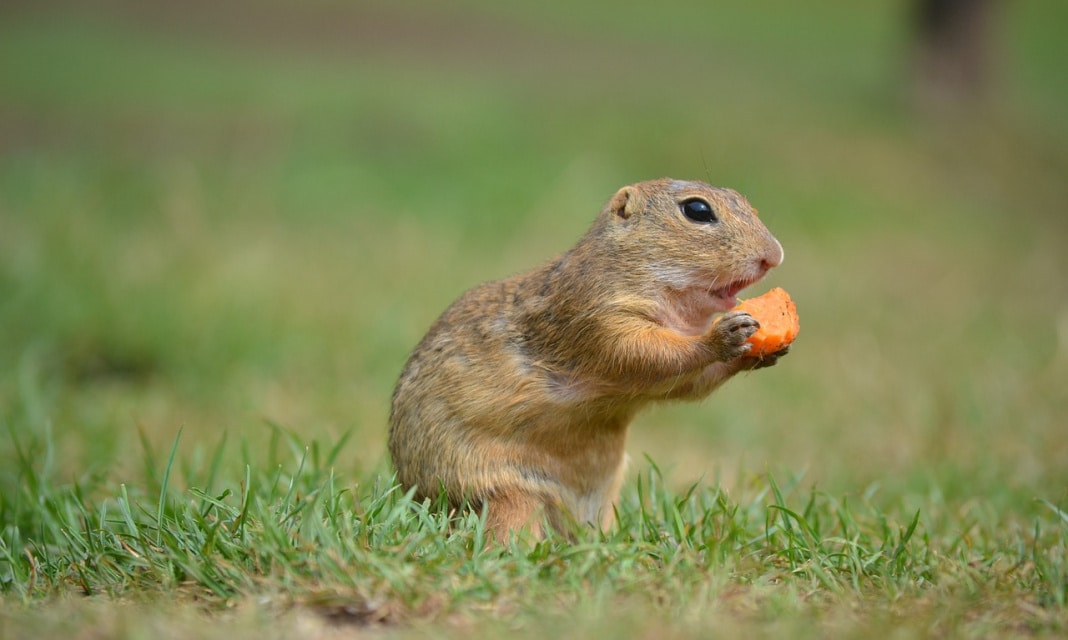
[(325, 542)]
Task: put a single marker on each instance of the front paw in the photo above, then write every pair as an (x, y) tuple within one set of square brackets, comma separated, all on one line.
[(729, 334), (768, 359)]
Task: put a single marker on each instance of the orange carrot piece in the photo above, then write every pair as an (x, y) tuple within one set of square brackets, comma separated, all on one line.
[(779, 324)]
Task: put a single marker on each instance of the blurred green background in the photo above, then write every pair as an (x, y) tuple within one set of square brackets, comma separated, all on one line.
[(218, 216)]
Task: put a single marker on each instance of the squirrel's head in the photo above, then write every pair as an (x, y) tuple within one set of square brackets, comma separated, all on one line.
[(689, 237)]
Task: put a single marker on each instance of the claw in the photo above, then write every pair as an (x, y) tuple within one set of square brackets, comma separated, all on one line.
[(769, 359)]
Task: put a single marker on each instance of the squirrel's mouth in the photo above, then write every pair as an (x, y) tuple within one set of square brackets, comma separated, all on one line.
[(690, 309), (726, 298)]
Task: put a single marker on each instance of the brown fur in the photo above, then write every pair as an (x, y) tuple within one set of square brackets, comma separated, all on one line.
[(520, 395)]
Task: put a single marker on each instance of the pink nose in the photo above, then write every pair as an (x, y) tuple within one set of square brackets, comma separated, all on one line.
[(774, 256)]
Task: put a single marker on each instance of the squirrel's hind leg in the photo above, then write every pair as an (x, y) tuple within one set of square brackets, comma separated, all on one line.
[(511, 512)]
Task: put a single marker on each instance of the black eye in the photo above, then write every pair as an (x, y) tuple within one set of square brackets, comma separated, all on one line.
[(698, 210)]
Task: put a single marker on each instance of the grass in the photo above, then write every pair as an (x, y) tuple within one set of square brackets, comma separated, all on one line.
[(221, 233), (309, 542)]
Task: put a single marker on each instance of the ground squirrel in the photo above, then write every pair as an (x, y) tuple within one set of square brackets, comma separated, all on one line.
[(518, 398)]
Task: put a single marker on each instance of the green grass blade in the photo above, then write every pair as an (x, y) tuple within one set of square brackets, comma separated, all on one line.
[(162, 503)]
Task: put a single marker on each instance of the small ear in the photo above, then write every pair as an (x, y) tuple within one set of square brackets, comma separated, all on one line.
[(624, 203)]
